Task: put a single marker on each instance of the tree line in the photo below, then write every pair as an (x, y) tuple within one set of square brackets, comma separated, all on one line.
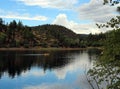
[(15, 34)]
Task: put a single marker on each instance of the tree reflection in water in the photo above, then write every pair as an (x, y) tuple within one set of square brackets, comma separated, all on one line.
[(15, 62)]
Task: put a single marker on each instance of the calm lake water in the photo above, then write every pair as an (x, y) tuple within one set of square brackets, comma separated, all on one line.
[(45, 69)]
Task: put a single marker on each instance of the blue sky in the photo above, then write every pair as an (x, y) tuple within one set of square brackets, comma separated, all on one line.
[(77, 15)]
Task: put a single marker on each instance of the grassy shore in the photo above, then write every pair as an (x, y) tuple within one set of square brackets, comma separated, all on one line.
[(37, 48), (52, 48)]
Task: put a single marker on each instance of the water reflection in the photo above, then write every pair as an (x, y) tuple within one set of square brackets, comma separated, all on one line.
[(58, 69)]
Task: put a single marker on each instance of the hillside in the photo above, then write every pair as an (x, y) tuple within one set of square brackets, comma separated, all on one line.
[(17, 35), (55, 36)]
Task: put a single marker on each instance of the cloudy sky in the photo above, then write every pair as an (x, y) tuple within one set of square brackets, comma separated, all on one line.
[(77, 15)]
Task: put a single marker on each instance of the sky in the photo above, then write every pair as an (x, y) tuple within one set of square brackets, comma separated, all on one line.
[(78, 15)]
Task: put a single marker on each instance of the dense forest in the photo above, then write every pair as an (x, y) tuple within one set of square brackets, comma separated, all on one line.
[(15, 34)]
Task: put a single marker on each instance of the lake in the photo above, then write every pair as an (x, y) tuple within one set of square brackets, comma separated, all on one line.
[(52, 69)]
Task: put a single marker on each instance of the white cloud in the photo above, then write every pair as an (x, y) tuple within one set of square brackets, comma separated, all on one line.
[(96, 11), (81, 61), (35, 73), (14, 15), (42, 18), (62, 19), (59, 4)]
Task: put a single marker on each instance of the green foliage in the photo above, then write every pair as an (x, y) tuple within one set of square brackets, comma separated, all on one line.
[(1, 21), (112, 45), (2, 38), (18, 35), (92, 40), (27, 34), (111, 2), (19, 26), (26, 46), (17, 43), (106, 71), (106, 75), (61, 35), (13, 25)]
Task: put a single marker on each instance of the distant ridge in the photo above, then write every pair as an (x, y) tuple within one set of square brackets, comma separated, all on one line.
[(17, 35), (55, 35)]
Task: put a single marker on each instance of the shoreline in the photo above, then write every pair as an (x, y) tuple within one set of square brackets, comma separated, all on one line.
[(39, 49)]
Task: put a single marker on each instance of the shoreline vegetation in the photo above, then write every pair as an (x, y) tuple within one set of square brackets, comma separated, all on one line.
[(50, 48)]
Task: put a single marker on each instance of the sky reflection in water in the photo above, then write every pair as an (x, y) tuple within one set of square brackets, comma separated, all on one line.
[(59, 70)]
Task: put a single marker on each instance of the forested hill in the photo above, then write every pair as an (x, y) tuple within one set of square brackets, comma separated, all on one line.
[(55, 36), (15, 34)]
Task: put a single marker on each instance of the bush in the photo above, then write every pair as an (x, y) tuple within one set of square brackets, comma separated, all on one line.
[(26, 46)]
